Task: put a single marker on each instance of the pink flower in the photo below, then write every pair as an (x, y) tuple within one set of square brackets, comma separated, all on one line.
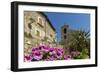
[(27, 58), (67, 57), (52, 51), (37, 55), (44, 48), (75, 53)]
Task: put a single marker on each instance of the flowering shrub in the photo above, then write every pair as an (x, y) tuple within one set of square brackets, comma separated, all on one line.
[(47, 53)]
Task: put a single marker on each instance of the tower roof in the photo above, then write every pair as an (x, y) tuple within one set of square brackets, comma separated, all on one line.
[(65, 26)]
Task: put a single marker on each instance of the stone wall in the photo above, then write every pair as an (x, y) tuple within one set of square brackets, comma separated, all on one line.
[(32, 26)]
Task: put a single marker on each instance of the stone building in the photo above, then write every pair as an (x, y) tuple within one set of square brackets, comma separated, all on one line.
[(37, 29), (66, 37)]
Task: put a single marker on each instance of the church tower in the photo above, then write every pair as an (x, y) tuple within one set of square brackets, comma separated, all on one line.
[(64, 35)]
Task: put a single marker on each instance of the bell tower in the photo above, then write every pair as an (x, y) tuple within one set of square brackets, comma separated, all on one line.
[(64, 30)]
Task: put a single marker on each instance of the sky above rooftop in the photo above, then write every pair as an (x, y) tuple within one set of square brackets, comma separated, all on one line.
[(75, 21)]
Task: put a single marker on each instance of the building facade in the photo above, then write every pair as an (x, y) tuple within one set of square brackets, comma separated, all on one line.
[(37, 29)]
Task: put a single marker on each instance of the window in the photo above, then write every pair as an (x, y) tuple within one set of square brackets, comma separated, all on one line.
[(31, 20), (40, 21), (65, 37), (37, 33), (29, 26), (65, 30), (51, 35)]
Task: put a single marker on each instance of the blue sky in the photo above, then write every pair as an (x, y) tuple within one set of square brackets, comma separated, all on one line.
[(74, 20)]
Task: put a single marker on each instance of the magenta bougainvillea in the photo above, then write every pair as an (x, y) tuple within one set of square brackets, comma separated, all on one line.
[(46, 53)]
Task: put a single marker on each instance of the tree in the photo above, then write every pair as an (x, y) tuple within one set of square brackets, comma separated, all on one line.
[(81, 41)]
